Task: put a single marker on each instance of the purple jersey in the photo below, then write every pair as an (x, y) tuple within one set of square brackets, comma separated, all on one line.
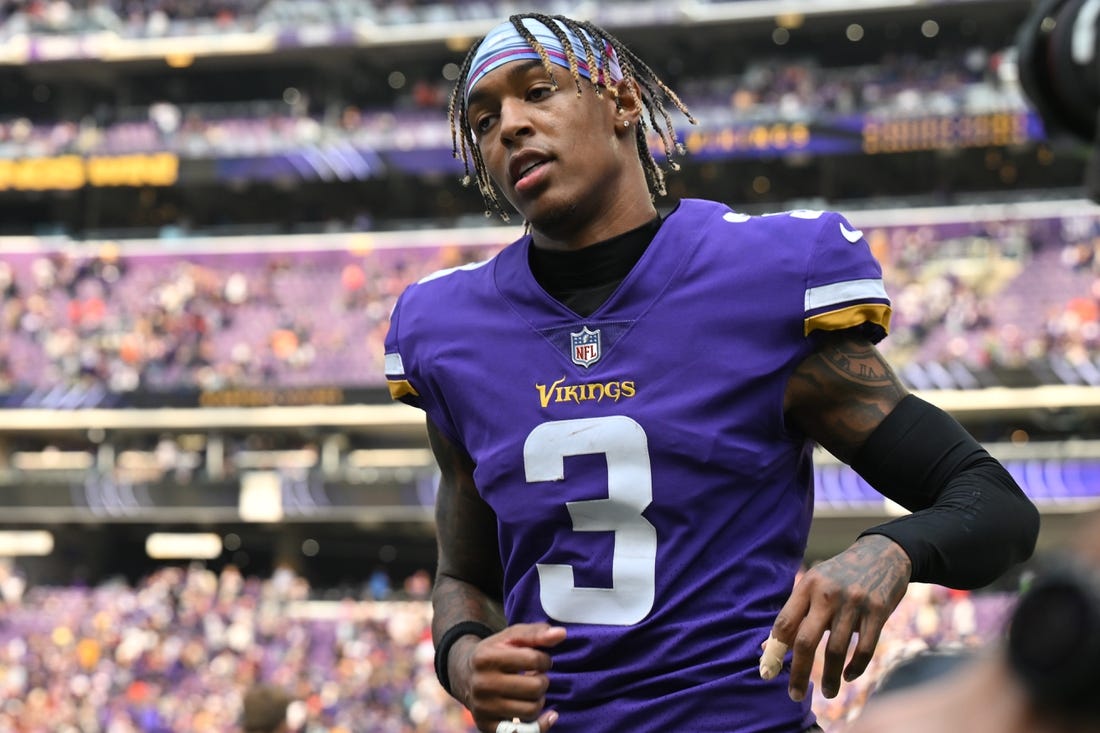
[(649, 496)]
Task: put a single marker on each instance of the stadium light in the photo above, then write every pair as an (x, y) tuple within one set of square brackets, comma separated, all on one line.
[(183, 546), (52, 459), (390, 458), (261, 497), (179, 60), (34, 543)]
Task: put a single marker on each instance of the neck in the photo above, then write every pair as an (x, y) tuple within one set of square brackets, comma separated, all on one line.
[(588, 223)]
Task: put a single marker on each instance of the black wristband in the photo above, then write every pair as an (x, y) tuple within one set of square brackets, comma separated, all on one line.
[(443, 648)]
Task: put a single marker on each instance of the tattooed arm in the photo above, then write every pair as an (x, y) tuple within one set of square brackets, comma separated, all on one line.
[(501, 677), (469, 583), (838, 396), (970, 522), (841, 393)]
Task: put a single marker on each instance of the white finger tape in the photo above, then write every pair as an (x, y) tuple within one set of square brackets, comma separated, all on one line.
[(771, 661), (515, 726)]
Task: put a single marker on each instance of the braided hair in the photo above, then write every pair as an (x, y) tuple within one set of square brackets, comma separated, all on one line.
[(656, 96)]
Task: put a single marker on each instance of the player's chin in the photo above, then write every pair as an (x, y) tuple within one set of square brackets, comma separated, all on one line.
[(541, 202), (549, 215)]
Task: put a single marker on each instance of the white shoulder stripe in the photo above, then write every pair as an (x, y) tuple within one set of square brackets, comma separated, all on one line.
[(395, 367), (443, 273), (843, 292)]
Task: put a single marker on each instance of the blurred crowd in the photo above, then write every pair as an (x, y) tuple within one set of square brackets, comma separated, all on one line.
[(971, 81), (178, 650), (155, 18), (165, 322), (974, 301), (992, 301)]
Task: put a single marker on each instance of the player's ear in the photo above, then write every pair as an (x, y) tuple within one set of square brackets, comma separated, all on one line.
[(628, 104)]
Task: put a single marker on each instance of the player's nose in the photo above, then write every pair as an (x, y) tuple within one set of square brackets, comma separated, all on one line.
[(515, 123)]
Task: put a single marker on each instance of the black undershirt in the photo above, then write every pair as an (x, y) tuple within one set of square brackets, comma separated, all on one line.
[(583, 279)]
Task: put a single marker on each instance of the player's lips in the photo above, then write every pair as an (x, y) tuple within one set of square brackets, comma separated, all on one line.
[(525, 168)]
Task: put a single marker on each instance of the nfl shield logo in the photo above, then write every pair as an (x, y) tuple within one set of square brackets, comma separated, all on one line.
[(585, 345)]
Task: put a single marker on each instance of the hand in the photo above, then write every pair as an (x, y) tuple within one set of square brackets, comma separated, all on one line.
[(852, 593), (503, 677)]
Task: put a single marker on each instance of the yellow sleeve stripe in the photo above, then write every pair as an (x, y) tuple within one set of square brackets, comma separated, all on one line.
[(401, 388), (853, 315)]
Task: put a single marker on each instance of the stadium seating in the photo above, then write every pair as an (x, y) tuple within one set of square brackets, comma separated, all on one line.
[(175, 652), (977, 303)]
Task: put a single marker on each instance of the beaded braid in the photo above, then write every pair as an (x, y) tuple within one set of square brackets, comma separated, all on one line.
[(463, 145), (656, 95)]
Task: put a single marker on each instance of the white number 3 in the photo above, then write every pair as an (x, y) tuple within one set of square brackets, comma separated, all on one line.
[(629, 491)]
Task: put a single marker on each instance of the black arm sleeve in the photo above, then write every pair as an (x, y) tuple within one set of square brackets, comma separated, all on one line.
[(970, 520)]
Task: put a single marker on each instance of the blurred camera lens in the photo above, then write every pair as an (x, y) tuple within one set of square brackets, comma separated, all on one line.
[(1054, 641)]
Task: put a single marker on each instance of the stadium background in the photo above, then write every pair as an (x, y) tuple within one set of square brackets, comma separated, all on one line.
[(208, 208)]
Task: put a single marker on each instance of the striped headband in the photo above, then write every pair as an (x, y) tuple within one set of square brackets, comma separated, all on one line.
[(504, 44)]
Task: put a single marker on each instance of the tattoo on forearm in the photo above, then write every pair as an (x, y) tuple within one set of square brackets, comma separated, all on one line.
[(469, 579), (454, 600)]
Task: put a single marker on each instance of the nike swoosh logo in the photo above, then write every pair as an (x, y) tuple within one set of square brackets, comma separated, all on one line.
[(851, 236)]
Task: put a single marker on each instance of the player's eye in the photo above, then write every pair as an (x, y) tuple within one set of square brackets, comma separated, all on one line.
[(539, 92), (483, 123)]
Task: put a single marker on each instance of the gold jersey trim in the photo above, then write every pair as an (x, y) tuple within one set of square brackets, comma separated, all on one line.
[(849, 317), (401, 388)]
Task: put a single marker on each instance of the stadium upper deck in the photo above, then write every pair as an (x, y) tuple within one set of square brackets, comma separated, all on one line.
[(136, 19), (813, 108)]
